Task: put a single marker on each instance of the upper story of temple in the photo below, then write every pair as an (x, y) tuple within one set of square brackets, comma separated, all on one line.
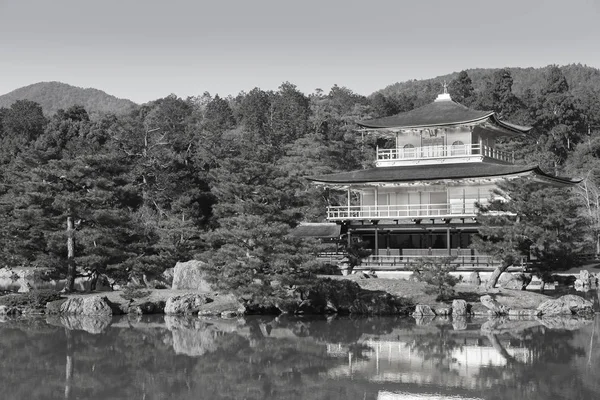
[(442, 132)]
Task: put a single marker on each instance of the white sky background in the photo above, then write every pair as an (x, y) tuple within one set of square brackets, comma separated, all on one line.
[(146, 49)]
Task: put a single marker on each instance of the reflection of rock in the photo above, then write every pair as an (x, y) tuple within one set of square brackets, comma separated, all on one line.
[(459, 323), (491, 304), (194, 337), (189, 275), (459, 307), (521, 312), (423, 310), (423, 319), (92, 324), (566, 305), (564, 322), (508, 325), (88, 305), (186, 304)]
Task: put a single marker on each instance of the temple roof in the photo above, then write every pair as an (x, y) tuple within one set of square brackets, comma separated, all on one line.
[(435, 172), (439, 113), (317, 229)]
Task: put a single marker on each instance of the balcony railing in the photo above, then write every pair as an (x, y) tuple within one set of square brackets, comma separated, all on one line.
[(453, 151), (406, 211)]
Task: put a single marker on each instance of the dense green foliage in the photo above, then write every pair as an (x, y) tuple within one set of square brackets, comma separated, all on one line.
[(532, 221), (222, 179), (55, 96)]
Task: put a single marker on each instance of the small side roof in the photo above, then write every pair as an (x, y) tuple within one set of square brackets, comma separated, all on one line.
[(317, 230)]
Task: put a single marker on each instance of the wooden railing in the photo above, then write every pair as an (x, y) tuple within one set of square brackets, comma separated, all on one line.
[(406, 211), (416, 153)]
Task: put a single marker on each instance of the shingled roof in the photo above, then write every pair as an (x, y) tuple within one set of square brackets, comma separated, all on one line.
[(434, 172), (438, 113)]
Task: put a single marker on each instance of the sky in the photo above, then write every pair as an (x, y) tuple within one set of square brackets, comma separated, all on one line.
[(147, 49)]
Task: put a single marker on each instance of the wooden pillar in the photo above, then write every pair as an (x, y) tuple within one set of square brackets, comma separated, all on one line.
[(376, 202), (448, 242), (348, 202), (376, 240)]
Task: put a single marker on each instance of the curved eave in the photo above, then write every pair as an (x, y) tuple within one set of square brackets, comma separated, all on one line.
[(340, 180), (510, 127), (365, 124)]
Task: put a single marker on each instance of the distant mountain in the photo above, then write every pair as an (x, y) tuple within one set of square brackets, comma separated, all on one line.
[(583, 81), (53, 96)]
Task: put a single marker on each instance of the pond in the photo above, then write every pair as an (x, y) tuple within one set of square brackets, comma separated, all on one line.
[(299, 358)]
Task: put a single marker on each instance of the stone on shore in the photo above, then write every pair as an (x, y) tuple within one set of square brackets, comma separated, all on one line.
[(566, 305), (190, 275), (492, 305), (186, 304), (474, 279), (88, 305), (423, 310), (459, 307), (147, 307)]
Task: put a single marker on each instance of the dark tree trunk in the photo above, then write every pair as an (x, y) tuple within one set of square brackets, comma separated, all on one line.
[(491, 283), (71, 270)]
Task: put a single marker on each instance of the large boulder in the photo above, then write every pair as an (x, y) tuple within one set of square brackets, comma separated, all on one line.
[(422, 310), (190, 275), (566, 305), (523, 312), (185, 304), (492, 305), (474, 279), (514, 281), (460, 307), (88, 305)]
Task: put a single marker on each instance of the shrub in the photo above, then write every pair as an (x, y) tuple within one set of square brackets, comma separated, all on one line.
[(435, 272), (33, 299)]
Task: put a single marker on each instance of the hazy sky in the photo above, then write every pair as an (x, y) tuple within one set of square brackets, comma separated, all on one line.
[(147, 49)]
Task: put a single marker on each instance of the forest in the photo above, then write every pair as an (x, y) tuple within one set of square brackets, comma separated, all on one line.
[(223, 179)]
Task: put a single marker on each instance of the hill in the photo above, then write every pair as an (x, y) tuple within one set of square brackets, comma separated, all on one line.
[(53, 96), (583, 81)]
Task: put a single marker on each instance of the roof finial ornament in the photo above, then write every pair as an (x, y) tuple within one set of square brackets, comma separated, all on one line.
[(444, 96)]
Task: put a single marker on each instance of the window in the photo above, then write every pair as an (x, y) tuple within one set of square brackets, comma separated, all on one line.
[(458, 148)]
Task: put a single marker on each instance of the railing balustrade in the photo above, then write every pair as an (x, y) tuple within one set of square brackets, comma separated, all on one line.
[(449, 210), (416, 153)]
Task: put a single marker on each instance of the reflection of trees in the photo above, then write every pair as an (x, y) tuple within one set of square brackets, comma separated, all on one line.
[(437, 347), (546, 373)]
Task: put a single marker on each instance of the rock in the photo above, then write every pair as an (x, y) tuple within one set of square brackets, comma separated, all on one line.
[(147, 307), (185, 304), (189, 275), (88, 305), (459, 307), (167, 276), (53, 307), (229, 314), (584, 276), (491, 304), (515, 281), (459, 323), (423, 310), (521, 312), (474, 279), (566, 305), (578, 285), (443, 311)]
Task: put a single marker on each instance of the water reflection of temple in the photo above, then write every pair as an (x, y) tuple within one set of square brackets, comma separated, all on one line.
[(458, 364)]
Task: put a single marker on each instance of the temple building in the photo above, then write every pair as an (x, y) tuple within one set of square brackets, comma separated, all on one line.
[(419, 199)]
